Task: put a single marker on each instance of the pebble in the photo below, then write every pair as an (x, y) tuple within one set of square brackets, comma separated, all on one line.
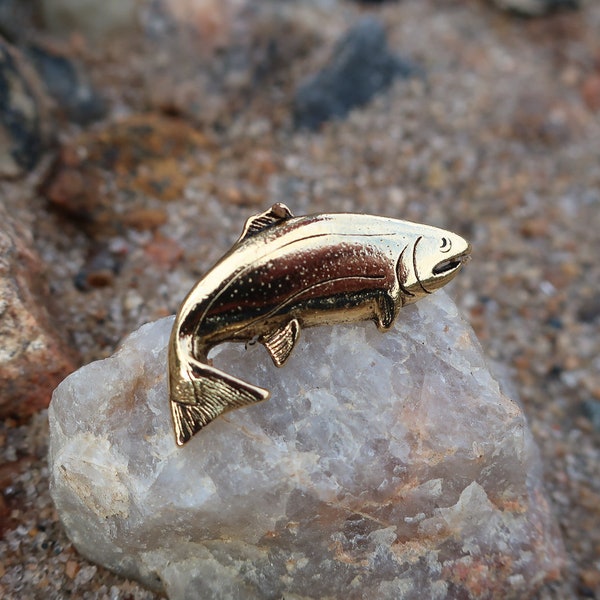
[(591, 409), (100, 268), (72, 568), (163, 252), (589, 309), (361, 66)]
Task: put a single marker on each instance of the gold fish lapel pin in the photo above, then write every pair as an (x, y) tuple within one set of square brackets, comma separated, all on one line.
[(287, 273)]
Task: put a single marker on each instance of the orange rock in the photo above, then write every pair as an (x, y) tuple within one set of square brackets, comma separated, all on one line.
[(71, 569), (113, 179), (145, 219), (535, 227)]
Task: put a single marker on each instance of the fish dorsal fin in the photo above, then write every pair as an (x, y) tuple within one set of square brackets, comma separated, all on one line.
[(276, 214), (281, 343)]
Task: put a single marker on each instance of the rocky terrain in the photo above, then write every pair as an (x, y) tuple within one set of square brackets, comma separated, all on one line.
[(134, 144)]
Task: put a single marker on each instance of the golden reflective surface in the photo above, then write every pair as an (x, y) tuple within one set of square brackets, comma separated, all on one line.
[(287, 273)]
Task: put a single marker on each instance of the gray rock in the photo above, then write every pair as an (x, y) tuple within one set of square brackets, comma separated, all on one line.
[(384, 466), (361, 66)]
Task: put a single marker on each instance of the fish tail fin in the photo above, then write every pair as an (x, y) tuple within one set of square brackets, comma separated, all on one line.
[(200, 393)]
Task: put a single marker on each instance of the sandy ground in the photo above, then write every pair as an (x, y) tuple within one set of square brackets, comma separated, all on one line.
[(499, 142)]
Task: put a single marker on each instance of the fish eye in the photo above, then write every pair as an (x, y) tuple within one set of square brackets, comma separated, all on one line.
[(446, 245)]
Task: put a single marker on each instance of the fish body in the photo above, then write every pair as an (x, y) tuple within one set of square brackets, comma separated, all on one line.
[(287, 273)]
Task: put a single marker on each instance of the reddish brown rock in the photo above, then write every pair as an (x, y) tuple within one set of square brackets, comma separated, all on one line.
[(163, 252), (33, 357), (117, 178)]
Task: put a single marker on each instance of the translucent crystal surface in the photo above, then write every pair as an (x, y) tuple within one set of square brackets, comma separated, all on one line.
[(384, 466)]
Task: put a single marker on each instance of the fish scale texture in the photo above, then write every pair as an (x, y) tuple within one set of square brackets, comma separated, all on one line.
[(384, 466)]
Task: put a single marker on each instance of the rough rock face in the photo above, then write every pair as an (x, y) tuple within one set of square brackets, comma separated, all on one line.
[(384, 466), (33, 357)]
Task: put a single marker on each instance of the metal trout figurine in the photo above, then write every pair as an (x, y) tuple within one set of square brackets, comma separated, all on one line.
[(286, 273)]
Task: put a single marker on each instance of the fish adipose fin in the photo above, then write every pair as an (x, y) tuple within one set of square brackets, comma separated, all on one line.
[(206, 394), (276, 214), (281, 343)]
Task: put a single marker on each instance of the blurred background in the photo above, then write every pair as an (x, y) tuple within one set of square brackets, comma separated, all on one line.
[(136, 136)]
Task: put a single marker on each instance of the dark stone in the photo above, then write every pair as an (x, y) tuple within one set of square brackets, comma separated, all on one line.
[(71, 90), (99, 269), (555, 323), (529, 8), (591, 409), (589, 310), (19, 116), (360, 67)]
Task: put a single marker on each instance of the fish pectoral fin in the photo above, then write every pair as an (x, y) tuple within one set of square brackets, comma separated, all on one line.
[(281, 343), (386, 312), (205, 394), (276, 214)]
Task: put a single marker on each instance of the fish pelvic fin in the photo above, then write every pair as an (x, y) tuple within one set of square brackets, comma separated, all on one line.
[(386, 312), (280, 343), (204, 393)]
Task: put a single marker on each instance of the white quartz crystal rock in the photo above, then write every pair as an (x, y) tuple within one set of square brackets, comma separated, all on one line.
[(384, 466)]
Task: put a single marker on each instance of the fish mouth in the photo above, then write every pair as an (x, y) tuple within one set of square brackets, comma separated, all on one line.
[(451, 264)]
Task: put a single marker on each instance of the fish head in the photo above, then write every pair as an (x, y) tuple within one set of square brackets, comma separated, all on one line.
[(429, 262)]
